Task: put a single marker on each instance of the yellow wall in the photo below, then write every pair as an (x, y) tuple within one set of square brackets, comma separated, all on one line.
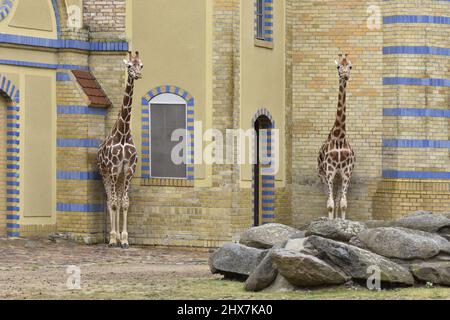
[(262, 81), (39, 147), (172, 36), (38, 143), (34, 18)]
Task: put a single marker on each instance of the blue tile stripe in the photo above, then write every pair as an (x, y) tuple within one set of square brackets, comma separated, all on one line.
[(416, 19), (146, 128), (416, 112), (431, 82), (9, 90), (42, 65), (63, 77), (410, 143), (420, 175), (77, 110), (78, 143), (77, 175), (5, 8), (76, 207), (416, 50), (96, 46)]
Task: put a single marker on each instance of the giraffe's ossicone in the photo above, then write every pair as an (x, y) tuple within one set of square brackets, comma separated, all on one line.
[(336, 157), (117, 159)]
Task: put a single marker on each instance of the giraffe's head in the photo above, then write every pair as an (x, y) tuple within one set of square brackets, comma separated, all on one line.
[(344, 67), (134, 65)]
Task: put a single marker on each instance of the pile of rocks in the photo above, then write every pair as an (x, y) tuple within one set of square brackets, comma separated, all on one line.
[(408, 251)]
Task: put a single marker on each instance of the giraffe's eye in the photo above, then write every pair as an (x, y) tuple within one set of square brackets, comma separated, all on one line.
[(351, 67)]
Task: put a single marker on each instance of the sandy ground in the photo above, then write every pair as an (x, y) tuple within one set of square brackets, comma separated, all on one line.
[(37, 269)]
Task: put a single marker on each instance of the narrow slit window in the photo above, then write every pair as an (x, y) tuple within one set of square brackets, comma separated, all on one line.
[(260, 30)]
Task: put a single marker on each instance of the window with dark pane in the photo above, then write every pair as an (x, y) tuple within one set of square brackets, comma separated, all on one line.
[(260, 19), (165, 119)]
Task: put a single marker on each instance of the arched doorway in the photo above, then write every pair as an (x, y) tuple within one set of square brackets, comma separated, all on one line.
[(263, 179)]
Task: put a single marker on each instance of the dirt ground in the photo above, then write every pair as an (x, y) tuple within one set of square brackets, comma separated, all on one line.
[(37, 269)]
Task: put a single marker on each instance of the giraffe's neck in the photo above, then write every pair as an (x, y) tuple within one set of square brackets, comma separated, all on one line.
[(122, 127), (339, 130)]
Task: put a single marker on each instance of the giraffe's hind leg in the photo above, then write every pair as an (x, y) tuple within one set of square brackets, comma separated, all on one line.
[(343, 202), (330, 202)]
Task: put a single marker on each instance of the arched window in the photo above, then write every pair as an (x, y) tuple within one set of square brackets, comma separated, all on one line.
[(168, 142)]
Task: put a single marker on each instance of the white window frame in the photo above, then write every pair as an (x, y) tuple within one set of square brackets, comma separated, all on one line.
[(168, 99)]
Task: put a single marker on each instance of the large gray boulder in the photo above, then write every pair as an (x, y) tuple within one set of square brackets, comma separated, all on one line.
[(435, 272), (235, 260), (268, 235), (336, 229), (356, 262), (402, 243), (263, 275), (424, 221), (304, 270)]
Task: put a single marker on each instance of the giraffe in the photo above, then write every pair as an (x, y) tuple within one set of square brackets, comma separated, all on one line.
[(117, 159), (336, 157)]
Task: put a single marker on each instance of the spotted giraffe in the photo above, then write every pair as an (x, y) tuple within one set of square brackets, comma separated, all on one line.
[(117, 159), (336, 157)]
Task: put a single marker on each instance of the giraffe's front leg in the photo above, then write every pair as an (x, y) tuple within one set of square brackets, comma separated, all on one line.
[(330, 202), (124, 236), (113, 212)]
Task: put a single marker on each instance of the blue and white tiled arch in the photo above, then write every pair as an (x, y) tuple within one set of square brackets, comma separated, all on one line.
[(5, 8), (12, 95), (267, 175), (146, 138)]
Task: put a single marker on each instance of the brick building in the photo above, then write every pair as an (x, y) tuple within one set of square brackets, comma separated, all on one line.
[(230, 64)]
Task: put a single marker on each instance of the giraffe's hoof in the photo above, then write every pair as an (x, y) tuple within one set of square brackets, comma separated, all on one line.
[(125, 246), (113, 245)]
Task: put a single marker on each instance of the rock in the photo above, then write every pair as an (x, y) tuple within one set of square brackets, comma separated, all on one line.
[(355, 241), (337, 229), (434, 272), (445, 233), (280, 285), (403, 243), (298, 235), (355, 262), (424, 221), (304, 270), (300, 245), (235, 260), (263, 275), (267, 236), (371, 224)]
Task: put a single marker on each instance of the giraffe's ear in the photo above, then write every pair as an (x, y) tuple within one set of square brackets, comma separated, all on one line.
[(125, 61), (335, 61)]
